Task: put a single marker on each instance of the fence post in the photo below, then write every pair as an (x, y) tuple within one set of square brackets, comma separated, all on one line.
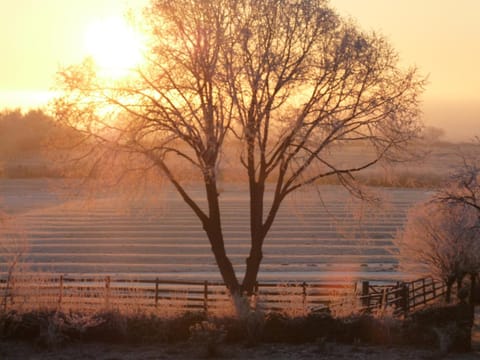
[(404, 298), (383, 299), (365, 297), (11, 294), (304, 296), (407, 298), (414, 296), (60, 296), (4, 300), (205, 297), (107, 291), (156, 292), (424, 292)]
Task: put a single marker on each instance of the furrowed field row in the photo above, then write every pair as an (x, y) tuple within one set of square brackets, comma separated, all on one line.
[(241, 242), (165, 233), (161, 270), (227, 205), (173, 247), (183, 267), (194, 258), (318, 220), (305, 252), (280, 239), (310, 237)]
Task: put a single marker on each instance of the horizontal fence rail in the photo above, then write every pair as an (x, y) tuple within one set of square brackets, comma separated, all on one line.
[(403, 297), (172, 296)]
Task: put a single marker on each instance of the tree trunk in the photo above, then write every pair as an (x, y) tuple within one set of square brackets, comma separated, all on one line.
[(253, 266), (258, 231), (223, 262), (213, 228), (460, 281), (448, 293), (257, 235), (473, 285)]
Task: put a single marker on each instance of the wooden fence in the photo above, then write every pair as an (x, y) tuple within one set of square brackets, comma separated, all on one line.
[(168, 296), (402, 297), (71, 293)]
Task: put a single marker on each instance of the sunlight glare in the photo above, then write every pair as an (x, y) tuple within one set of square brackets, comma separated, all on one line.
[(114, 46)]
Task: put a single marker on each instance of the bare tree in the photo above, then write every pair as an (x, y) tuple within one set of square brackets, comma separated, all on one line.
[(464, 185), (463, 189), (443, 240), (289, 83)]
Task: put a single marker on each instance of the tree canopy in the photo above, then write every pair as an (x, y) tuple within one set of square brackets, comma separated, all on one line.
[(442, 240), (286, 83)]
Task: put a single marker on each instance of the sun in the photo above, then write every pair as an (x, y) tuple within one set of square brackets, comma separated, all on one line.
[(114, 46)]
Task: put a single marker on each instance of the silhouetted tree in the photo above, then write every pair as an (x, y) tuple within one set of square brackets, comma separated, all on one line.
[(287, 82)]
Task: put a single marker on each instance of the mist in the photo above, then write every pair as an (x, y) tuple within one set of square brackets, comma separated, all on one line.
[(460, 119)]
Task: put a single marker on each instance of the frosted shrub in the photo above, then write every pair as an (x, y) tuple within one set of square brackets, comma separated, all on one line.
[(208, 333), (442, 239), (344, 304), (255, 324)]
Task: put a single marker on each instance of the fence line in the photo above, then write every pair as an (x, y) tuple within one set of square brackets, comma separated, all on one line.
[(403, 297), (68, 293)]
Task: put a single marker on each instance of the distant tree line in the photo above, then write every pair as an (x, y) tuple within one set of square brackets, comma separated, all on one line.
[(23, 133), (26, 144)]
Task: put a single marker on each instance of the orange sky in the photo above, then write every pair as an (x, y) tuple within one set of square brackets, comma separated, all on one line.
[(441, 37)]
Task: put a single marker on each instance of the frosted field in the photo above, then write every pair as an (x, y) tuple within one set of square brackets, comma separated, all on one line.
[(314, 237)]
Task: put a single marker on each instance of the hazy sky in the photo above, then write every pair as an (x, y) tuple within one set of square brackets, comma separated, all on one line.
[(441, 37)]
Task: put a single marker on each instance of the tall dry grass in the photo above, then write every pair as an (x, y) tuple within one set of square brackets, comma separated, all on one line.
[(13, 250)]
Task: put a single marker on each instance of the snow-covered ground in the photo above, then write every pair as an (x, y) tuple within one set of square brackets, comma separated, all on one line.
[(319, 234), (10, 351)]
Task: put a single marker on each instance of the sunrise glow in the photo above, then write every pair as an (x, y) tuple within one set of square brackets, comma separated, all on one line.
[(240, 179), (114, 46)]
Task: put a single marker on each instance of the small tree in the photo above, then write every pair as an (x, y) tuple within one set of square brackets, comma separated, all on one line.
[(441, 239), (464, 190), (287, 83)]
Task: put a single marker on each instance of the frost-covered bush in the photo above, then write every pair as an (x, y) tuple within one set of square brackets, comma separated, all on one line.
[(442, 239)]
